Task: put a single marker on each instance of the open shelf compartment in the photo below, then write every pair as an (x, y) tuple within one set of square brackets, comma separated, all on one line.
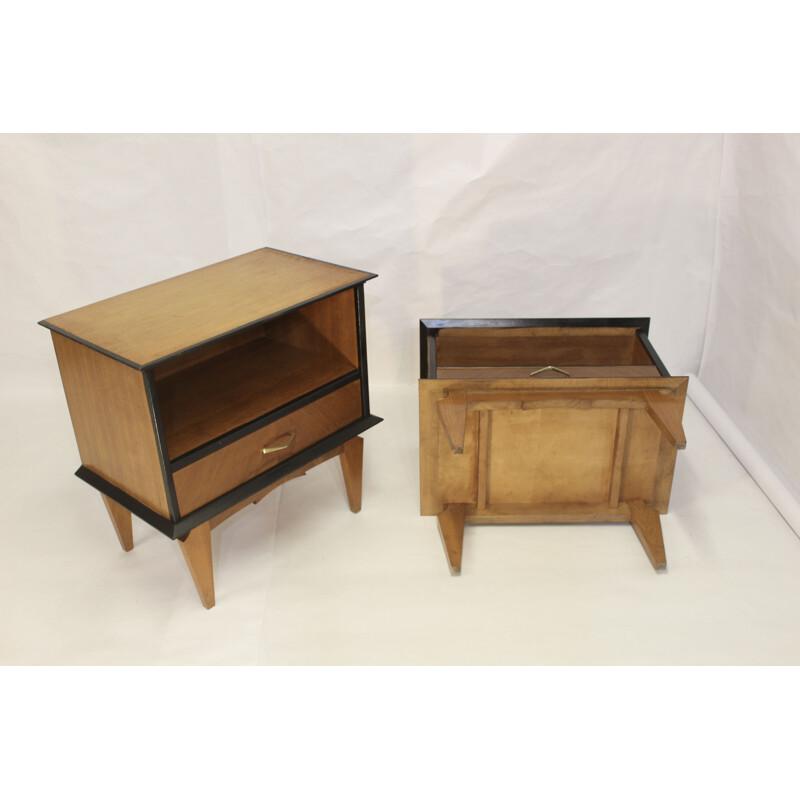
[(221, 387)]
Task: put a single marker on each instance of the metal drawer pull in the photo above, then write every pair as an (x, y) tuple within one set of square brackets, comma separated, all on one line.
[(544, 369), (276, 447)]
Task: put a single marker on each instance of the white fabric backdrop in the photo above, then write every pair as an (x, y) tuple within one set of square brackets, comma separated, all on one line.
[(751, 364), (455, 225)]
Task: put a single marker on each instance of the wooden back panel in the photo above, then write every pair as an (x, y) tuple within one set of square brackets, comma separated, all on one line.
[(112, 421), (589, 442)]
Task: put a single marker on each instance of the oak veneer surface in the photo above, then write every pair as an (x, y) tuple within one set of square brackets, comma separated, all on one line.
[(214, 397), (156, 321), (112, 421)]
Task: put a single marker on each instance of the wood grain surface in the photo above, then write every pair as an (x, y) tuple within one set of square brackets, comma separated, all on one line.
[(162, 319), (112, 421)]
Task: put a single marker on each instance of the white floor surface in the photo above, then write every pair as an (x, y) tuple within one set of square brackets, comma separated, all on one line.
[(302, 580)]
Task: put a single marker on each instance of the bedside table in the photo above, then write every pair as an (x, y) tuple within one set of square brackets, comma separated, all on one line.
[(195, 396), (546, 420)]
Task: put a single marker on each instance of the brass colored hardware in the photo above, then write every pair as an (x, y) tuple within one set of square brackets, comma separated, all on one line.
[(277, 447), (555, 369)]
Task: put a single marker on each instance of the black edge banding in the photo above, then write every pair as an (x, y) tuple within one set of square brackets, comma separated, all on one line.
[(361, 335), (161, 442)]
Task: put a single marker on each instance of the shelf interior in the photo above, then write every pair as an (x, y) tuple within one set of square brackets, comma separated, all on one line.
[(215, 389)]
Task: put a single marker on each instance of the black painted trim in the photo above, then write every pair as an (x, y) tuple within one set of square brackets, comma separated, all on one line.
[(557, 322), (361, 334), (234, 435), (652, 353), (152, 518), (161, 442), (182, 527)]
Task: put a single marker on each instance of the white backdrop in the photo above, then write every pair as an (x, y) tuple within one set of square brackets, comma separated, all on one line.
[(455, 225), (751, 361)]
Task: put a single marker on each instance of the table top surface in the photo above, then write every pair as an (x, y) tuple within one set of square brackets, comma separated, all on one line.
[(161, 320)]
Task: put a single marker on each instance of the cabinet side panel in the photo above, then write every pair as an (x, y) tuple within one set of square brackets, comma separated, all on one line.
[(326, 327), (112, 421)]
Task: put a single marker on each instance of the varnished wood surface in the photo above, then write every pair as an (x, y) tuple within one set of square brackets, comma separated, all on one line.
[(647, 524), (162, 319), (493, 373), (196, 549), (326, 328), (352, 461), (556, 513), (212, 398), (122, 522), (451, 528), (203, 480), (112, 421), (497, 347)]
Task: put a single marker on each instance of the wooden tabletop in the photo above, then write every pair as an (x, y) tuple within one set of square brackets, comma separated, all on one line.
[(157, 321)]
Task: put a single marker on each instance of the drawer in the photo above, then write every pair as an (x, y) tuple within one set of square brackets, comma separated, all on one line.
[(224, 470)]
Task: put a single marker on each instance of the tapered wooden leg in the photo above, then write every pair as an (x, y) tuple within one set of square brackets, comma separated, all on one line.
[(647, 524), (352, 461), (121, 519), (451, 526), (196, 550)]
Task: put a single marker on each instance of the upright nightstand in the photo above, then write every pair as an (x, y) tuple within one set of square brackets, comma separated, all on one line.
[(195, 396)]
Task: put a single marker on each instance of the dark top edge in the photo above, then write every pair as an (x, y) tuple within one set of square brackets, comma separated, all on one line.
[(642, 323)]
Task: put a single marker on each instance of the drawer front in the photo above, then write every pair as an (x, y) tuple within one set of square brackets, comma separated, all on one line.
[(212, 476)]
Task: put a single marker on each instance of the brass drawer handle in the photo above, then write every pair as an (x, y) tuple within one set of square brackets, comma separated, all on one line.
[(274, 448), (544, 369)]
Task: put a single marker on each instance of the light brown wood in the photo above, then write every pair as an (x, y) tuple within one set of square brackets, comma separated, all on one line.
[(352, 461), (453, 413), (492, 373), (196, 549), (214, 397), (326, 328), (554, 450), (451, 527), (647, 524), (555, 513), (212, 476), (121, 520), (618, 459), (112, 421), (496, 347), (484, 432), (163, 319), (667, 415), (544, 456)]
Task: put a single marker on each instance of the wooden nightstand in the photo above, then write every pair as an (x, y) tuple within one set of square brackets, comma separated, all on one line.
[(195, 396), (546, 420)]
